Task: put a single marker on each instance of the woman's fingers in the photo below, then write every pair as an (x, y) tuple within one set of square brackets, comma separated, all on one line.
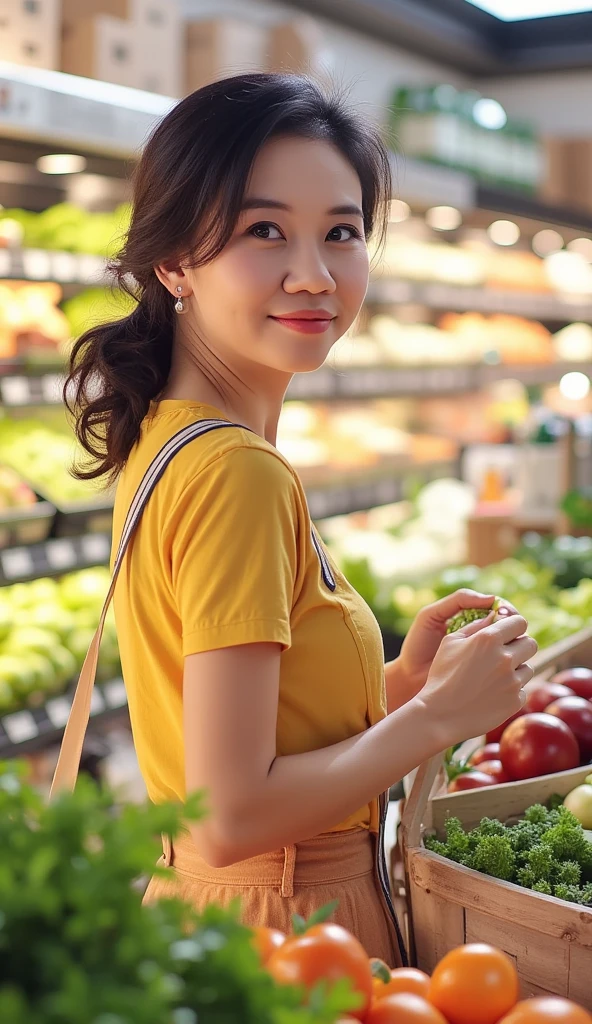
[(523, 676), (522, 650)]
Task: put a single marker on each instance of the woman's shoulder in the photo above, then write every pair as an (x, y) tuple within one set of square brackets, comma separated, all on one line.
[(232, 453)]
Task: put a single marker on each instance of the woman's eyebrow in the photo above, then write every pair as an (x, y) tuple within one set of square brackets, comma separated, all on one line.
[(260, 203)]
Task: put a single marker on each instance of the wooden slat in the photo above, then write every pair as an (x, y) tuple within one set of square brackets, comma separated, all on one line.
[(438, 925), (505, 801), (508, 902), (542, 961), (574, 650), (580, 976)]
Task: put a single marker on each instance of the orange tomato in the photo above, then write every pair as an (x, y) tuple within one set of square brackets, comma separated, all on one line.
[(547, 1010), (265, 940), (326, 952), (403, 1008), (474, 984), (402, 979)]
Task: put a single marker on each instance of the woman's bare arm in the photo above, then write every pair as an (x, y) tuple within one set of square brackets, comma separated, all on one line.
[(257, 801), (260, 802)]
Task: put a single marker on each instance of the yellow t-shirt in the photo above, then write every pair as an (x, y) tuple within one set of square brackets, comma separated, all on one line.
[(225, 554)]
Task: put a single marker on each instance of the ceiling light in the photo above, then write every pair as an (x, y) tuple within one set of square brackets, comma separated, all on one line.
[(444, 218), (399, 211), (61, 163), (547, 241), (523, 10), (504, 232), (574, 386), (583, 247), (490, 114)]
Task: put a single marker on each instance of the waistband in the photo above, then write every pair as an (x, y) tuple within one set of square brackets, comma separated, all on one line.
[(333, 857)]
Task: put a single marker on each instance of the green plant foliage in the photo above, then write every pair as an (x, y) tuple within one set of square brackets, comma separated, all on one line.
[(78, 947), (547, 851)]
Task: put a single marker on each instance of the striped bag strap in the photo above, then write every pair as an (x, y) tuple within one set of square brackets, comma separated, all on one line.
[(66, 771)]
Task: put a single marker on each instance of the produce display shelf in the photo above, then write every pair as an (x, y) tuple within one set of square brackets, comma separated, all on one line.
[(404, 381), (53, 557), (462, 299), (83, 269), (19, 391), (24, 732), (356, 495)]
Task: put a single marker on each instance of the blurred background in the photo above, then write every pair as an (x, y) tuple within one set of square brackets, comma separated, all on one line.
[(446, 442)]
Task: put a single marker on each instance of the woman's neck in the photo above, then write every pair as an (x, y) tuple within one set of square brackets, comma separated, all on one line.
[(252, 396)]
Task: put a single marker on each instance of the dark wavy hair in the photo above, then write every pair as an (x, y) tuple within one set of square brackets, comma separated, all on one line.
[(188, 190)]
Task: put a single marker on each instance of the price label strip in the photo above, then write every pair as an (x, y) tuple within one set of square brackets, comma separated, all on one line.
[(20, 727)]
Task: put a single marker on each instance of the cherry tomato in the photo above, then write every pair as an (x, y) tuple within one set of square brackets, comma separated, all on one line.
[(490, 752), (403, 1008), (474, 984), (495, 735), (576, 712), (496, 770), (470, 780), (540, 695), (538, 745), (578, 679), (326, 952), (547, 1010), (402, 979), (265, 940)]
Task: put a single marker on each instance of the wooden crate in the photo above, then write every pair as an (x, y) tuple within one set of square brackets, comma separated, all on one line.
[(550, 941)]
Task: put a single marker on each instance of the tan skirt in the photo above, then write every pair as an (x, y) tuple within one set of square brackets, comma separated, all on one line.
[(296, 880)]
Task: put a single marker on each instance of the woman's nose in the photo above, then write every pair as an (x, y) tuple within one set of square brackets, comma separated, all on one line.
[(308, 272)]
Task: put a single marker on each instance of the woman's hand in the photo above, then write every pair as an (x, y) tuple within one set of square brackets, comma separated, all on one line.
[(429, 629)]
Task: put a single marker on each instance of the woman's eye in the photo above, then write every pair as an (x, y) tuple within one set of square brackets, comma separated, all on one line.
[(265, 231), (343, 233)]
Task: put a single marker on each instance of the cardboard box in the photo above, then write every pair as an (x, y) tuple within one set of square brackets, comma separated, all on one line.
[(153, 35), (554, 188), (568, 178), (30, 32), (221, 47), (295, 46), (101, 47)]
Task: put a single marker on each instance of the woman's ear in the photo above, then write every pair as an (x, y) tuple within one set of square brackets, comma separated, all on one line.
[(173, 278)]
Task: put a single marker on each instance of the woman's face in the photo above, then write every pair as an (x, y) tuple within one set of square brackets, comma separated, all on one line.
[(298, 252)]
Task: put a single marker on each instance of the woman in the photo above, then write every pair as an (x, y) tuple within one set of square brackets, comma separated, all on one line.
[(253, 669)]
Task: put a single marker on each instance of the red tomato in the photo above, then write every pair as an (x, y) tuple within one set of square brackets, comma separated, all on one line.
[(490, 752), (578, 679), (470, 780), (576, 712), (540, 695), (495, 735), (538, 745), (496, 769)]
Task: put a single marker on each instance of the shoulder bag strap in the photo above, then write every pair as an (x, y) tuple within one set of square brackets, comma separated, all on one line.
[(68, 764)]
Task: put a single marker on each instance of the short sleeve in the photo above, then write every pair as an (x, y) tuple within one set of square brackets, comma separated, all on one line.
[(234, 552)]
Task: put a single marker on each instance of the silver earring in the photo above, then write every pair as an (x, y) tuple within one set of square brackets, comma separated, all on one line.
[(179, 304)]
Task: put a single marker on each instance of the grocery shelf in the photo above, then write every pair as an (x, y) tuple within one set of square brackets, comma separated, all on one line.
[(422, 381), (356, 495), (53, 557), (462, 299), (59, 108), (18, 390), (518, 204), (83, 269), (24, 732)]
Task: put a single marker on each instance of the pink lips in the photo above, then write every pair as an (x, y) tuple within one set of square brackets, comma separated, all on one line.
[(306, 321)]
